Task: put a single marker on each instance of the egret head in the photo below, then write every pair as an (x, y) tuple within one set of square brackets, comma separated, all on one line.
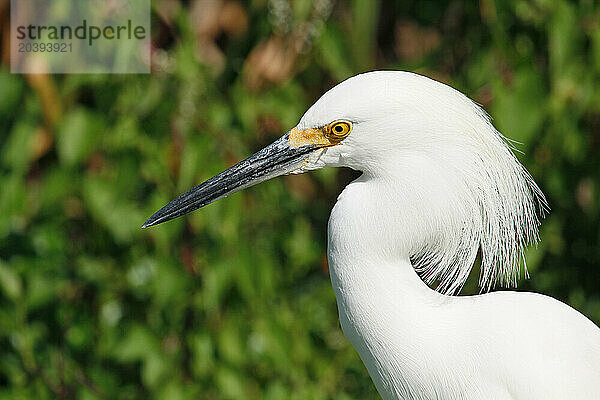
[(458, 183)]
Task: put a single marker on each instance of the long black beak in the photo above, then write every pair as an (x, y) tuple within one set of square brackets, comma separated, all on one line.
[(276, 159)]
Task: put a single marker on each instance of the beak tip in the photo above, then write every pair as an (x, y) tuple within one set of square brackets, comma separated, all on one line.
[(151, 222)]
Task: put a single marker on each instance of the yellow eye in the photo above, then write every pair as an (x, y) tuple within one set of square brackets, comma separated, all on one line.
[(337, 130)]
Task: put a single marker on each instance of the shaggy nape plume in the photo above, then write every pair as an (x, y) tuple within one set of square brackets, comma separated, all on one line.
[(495, 205)]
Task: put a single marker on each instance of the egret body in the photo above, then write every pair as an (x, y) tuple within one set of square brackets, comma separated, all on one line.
[(439, 184)]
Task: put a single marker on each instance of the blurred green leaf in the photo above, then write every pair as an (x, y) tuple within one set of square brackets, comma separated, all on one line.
[(10, 282), (78, 134), (517, 108)]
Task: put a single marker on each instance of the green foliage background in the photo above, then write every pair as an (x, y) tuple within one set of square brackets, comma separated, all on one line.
[(234, 301)]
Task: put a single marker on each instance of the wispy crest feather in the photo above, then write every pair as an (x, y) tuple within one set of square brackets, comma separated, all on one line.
[(497, 206)]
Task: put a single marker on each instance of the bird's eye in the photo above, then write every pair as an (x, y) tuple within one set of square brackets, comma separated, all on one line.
[(337, 130)]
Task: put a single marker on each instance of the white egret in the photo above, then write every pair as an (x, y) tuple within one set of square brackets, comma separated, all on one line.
[(438, 184)]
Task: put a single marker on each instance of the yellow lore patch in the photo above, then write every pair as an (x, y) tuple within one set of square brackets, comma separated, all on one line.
[(327, 136), (309, 136)]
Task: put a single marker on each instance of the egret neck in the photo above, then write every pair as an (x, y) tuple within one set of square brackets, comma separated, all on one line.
[(384, 307)]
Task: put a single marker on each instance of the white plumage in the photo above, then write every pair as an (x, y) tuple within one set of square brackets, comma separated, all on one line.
[(438, 184)]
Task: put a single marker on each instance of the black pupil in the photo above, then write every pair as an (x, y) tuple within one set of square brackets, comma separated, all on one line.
[(339, 128)]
